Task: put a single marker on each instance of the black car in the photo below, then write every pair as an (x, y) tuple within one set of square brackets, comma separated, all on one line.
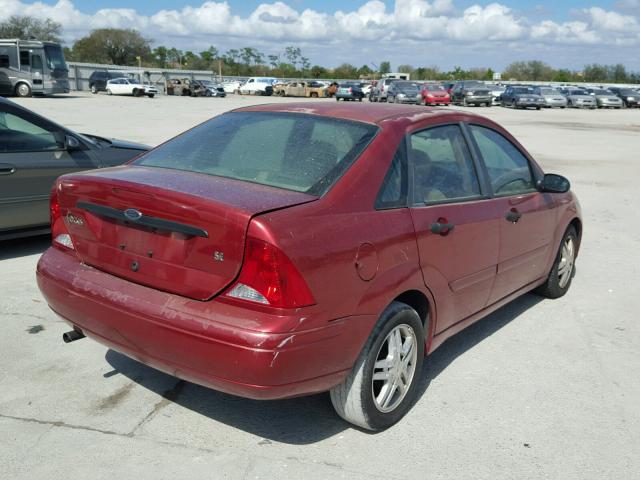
[(521, 96), (350, 91), (630, 98), (99, 78), (403, 91), (34, 152), (471, 92)]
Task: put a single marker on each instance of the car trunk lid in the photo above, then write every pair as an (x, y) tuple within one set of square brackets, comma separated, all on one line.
[(176, 231)]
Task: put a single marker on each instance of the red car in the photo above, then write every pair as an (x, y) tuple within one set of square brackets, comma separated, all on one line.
[(283, 250), (434, 94)]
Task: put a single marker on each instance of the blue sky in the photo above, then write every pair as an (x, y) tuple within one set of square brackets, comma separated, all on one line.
[(443, 33)]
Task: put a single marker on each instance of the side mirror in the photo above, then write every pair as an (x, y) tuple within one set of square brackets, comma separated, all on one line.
[(553, 183), (71, 143)]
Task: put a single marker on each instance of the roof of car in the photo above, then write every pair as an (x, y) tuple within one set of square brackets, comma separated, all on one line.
[(368, 112)]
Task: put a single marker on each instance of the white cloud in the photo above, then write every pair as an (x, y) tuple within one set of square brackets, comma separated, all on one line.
[(408, 22)]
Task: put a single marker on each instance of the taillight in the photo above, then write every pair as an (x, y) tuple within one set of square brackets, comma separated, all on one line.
[(350, 89), (270, 278), (59, 233)]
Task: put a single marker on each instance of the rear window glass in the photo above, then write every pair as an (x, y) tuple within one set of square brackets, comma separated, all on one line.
[(304, 153)]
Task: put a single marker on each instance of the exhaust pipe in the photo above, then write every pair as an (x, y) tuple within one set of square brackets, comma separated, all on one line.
[(72, 336)]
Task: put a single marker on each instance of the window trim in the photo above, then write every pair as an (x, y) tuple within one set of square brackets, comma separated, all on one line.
[(484, 193), (404, 163), (534, 174)]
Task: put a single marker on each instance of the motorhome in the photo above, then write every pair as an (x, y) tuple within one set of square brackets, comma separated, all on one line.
[(30, 67)]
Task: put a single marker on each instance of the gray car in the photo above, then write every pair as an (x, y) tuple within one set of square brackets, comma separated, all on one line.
[(33, 153), (552, 97), (605, 98), (577, 98), (380, 91)]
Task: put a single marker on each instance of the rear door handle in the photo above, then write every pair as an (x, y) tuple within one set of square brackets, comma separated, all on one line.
[(6, 169), (441, 227), (513, 215)]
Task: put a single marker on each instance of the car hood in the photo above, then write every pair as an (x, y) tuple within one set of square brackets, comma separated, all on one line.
[(526, 95), (608, 97), (582, 96), (116, 143)]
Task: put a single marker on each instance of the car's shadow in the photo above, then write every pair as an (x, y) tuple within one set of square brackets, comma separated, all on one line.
[(304, 420), (22, 247)]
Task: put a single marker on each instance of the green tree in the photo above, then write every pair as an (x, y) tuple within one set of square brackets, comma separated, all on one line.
[(405, 68), (160, 55), (26, 27), (209, 55), (112, 45), (364, 71), (346, 70), (385, 67), (319, 72), (293, 54)]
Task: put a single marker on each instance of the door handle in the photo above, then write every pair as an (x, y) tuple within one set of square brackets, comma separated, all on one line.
[(6, 169), (513, 215), (442, 227)]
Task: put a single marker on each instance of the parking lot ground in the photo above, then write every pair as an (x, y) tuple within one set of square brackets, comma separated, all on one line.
[(539, 389)]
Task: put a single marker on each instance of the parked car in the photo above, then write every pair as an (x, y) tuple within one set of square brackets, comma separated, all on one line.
[(521, 96), (34, 151), (448, 86), (434, 94), (630, 98), (99, 78), (231, 86), (273, 251), (468, 93), (349, 91), (301, 89), (258, 86), (211, 89), (379, 92), (605, 98), (552, 97), (402, 91), (126, 86), (496, 93), (178, 86), (578, 98), (367, 88)]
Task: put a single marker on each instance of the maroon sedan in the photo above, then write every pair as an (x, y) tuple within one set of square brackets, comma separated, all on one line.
[(283, 250), (434, 94)]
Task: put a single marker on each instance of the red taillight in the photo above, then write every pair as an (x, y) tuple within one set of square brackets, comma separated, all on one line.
[(350, 89), (268, 277), (59, 233)]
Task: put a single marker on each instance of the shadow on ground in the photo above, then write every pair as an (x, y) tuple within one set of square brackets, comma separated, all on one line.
[(303, 420), (22, 247)]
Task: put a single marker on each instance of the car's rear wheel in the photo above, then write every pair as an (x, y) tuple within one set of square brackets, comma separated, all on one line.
[(109, 91), (382, 386), (561, 274), (151, 95), (94, 89)]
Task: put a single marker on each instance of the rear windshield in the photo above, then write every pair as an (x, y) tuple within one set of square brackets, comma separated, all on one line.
[(300, 152)]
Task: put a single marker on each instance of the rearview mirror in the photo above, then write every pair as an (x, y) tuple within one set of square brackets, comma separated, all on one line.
[(553, 183), (71, 143)]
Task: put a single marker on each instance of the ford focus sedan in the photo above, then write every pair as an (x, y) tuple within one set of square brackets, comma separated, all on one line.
[(283, 250)]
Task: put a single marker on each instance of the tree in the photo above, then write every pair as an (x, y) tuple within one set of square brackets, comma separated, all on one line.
[(112, 45), (319, 72), (385, 67), (209, 55), (26, 27), (293, 54), (427, 73), (364, 71), (160, 55), (346, 70), (405, 68)]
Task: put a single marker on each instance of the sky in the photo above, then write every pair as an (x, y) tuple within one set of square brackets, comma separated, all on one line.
[(442, 33)]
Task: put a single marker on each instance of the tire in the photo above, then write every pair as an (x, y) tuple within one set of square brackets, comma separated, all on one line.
[(150, 95), (94, 89), (314, 95), (360, 99), (337, 99), (354, 398), (464, 102), (538, 108), (109, 91), (22, 90), (559, 280)]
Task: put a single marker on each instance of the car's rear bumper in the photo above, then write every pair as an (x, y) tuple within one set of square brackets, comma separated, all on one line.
[(209, 343)]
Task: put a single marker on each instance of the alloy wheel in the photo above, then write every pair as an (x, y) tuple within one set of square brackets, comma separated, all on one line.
[(567, 259), (394, 368)]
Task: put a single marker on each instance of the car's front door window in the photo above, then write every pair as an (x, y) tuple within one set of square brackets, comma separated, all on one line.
[(442, 166), (508, 169), (20, 135)]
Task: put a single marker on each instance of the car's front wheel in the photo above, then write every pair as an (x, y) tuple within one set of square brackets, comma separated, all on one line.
[(561, 274), (382, 386)]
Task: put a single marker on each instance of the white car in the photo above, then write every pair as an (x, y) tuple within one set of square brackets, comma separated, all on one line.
[(231, 86), (258, 86), (126, 86), (366, 89)]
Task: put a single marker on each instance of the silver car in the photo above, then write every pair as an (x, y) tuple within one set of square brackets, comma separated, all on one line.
[(577, 98), (552, 97), (605, 98)]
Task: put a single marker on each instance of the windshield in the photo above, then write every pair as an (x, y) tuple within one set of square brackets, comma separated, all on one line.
[(602, 92), (548, 91), (522, 90), (304, 153), (433, 88), (55, 58), (578, 92), (406, 86)]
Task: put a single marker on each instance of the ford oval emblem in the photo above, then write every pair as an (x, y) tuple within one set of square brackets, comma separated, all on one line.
[(132, 214)]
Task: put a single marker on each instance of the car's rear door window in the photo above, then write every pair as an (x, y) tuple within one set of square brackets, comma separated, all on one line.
[(508, 169), (301, 152), (443, 169)]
